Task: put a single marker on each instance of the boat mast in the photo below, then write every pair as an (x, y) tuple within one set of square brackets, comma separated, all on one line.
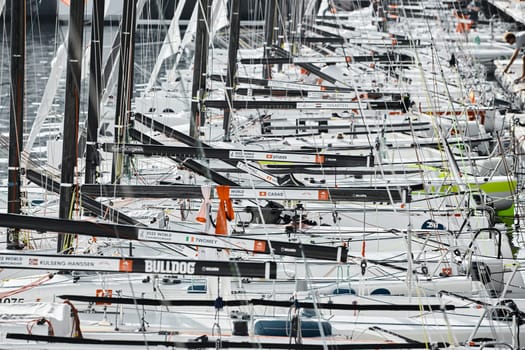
[(125, 84), (95, 90), (71, 119), (16, 115), (108, 77), (269, 34), (283, 25), (297, 27), (233, 47), (200, 65)]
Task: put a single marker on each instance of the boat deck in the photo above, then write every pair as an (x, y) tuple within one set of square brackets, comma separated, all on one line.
[(507, 81), (512, 8)]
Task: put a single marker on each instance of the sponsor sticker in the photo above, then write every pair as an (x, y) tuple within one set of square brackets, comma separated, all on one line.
[(169, 266), (322, 195), (259, 246), (125, 265), (154, 235), (103, 293)]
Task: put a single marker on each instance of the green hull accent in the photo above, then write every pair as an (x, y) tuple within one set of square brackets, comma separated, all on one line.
[(495, 189), (501, 188), (506, 216)]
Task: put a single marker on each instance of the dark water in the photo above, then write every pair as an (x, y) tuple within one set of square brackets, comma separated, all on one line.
[(43, 40), (40, 50)]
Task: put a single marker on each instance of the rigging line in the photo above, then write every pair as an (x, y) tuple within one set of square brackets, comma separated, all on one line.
[(333, 207), (139, 7), (421, 172), (429, 99), (252, 184), (281, 24), (419, 65), (211, 33), (380, 165), (5, 55), (426, 335), (424, 175), (308, 275), (455, 116), (508, 172), (368, 133), (257, 202), (339, 27)]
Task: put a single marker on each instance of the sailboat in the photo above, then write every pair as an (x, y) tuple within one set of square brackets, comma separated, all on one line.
[(311, 261)]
